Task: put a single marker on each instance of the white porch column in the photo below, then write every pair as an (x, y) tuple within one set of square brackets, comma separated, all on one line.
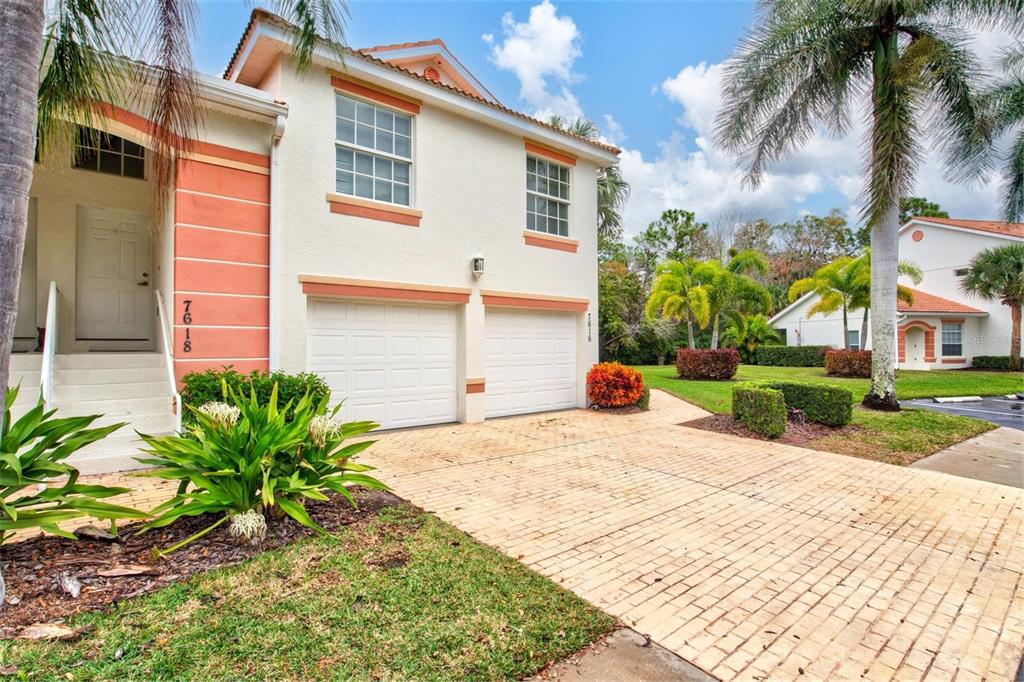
[(474, 361)]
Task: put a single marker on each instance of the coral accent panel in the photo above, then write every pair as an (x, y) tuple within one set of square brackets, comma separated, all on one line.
[(221, 265), (557, 244), (917, 235), (929, 339), (361, 291), (540, 303), (376, 95), (475, 387), (382, 214), (539, 150)]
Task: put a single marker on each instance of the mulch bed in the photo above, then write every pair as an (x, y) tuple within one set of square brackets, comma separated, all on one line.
[(797, 432), (39, 571)]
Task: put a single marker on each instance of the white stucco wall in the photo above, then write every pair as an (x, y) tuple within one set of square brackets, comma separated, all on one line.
[(469, 180)]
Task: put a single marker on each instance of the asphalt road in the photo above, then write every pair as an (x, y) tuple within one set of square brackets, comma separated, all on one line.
[(1002, 411)]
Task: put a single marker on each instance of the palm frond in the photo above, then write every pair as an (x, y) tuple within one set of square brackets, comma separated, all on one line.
[(1013, 182), (314, 20)]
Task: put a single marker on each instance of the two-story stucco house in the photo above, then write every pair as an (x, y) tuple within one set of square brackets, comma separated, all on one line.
[(382, 221), (943, 328)]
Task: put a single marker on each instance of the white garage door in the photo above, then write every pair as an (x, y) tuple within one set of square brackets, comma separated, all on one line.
[(392, 363), (531, 361)]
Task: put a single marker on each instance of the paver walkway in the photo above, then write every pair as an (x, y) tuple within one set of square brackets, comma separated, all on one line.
[(750, 559)]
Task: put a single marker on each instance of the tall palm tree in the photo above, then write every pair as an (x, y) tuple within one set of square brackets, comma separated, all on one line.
[(1006, 105), (862, 299), (998, 275), (680, 292), (837, 286), (61, 68), (733, 290), (812, 62), (612, 188)]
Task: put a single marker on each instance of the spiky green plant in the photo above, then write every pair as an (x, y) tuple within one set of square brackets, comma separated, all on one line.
[(681, 293), (248, 459), (997, 274), (811, 63), (734, 291), (746, 333)]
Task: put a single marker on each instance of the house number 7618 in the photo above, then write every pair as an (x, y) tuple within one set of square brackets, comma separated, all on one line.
[(186, 318)]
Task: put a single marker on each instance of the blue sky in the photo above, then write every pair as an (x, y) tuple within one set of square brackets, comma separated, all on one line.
[(647, 72)]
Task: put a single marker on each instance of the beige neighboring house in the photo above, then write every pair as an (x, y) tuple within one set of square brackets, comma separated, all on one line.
[(382, 221), (944, 328)]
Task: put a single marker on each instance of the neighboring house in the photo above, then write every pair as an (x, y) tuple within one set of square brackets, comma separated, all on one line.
[(944, 328), (330, 222)]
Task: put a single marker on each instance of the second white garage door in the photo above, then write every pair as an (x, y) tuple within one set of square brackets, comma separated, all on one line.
[(531, 361), (392, 363)]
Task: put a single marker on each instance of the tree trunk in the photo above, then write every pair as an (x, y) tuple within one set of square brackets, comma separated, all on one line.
[(884, 263), (862, 341), (1015, 363), (846, 329), (21, 44), (714, 333), (689, 333)]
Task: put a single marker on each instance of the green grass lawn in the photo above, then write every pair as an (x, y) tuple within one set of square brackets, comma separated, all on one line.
[(400, 596), (897, 438)]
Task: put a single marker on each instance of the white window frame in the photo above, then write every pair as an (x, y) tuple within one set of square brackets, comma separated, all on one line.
[(849, 342), (121, 155), (960, 335), (354, 147), (549, 197)]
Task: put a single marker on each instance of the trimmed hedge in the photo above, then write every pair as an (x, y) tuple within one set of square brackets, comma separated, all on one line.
[(829, 405), (760, 408), (610, 384), (791, 356), (204, 387), (1001, 362), (848, 363), (704, 363)]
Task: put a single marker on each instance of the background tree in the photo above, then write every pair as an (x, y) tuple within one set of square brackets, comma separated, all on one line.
[(998, 275), (1005, 104), (733, 291), (676, 235), (680, 292), (811, 62), (919, 207), (746, 333)]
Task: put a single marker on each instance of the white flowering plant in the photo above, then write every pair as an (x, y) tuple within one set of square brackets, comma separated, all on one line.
[(244, 462)]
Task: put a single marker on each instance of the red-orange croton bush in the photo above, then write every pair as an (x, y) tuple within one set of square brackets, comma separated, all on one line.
[(610, 384)]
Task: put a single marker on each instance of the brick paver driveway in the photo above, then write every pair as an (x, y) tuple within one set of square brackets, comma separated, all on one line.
[(749, 559)]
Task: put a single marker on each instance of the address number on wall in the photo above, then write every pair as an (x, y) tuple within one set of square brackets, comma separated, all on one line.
[(186, 319)]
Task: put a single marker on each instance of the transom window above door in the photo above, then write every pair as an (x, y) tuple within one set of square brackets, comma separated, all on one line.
[(373, 151), (106, 153), (547, 197)]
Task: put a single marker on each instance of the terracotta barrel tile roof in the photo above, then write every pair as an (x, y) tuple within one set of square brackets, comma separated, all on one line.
[(994, 226), (930, 303)]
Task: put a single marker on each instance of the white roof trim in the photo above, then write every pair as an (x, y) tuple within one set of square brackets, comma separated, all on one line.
[(428, 50), (401, 83), (957, 228), (790, 307), (239, 97)]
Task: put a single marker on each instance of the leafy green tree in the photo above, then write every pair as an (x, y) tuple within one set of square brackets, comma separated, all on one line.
[(920, 207), (680, 292), (997, 274), (623, 326), (811, 62), (1005, 103), (676, 235), (862, 267), (746, 333), (733, 289), (837, 286), (62, 67)]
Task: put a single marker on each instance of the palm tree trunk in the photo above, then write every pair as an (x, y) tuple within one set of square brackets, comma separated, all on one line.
[(714, 332), (689, 333), (884, 262), (21, 43), (846, 329), (1015, 363), (864, 328)]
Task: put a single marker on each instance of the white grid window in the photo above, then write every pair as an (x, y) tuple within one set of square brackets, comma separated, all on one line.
[(952, 339), (373, 156), (853, 339), (547, 197), (106, 153)]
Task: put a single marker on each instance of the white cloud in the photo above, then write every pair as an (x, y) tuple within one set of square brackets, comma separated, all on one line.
[(541, 53), (612, 131), (487, 38)]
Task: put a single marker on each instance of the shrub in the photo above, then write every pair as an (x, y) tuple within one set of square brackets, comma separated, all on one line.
[(248, 460), (848, 363), (33, 451), (704, 363), (645, 399), (610, 384), (999, 362), (207, 386), (829, 405), (760, 408), (792, 356)]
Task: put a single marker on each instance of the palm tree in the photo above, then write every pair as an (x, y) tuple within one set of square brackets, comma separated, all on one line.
[(863, 297), (746, 333), (733, 290), (812, 62), (837, 286), (61, 68), (680, 292), (1006, 105), (612, 188), (997, 274)]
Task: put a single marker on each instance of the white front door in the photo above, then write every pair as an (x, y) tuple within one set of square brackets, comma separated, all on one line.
[(392, 363), (113, 293), (914, 340), (531, 361)]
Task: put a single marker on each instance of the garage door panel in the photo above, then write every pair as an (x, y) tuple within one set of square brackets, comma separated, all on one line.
[(531, 361), (391, 363)]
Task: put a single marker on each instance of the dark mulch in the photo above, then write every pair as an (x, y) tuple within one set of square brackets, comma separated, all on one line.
[(797, 432), (628, 409), (35, 569)]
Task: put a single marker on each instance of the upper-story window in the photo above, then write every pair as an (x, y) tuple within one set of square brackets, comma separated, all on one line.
[(373, 151), (547, 196), (106, 153), (952, 339)]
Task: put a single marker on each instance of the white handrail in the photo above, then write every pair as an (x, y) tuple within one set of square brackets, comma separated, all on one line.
[(168, 358), (49, 346)]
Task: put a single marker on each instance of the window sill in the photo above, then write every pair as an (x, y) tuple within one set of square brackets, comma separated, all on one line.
[(373, 210), (550, 241), (953, 361)]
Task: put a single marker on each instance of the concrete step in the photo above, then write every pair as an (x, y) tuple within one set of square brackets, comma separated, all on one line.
[(109, 375), (108, 360), (117, 452), (118, 407), (76, 393), (22, 362), (152, 424)]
